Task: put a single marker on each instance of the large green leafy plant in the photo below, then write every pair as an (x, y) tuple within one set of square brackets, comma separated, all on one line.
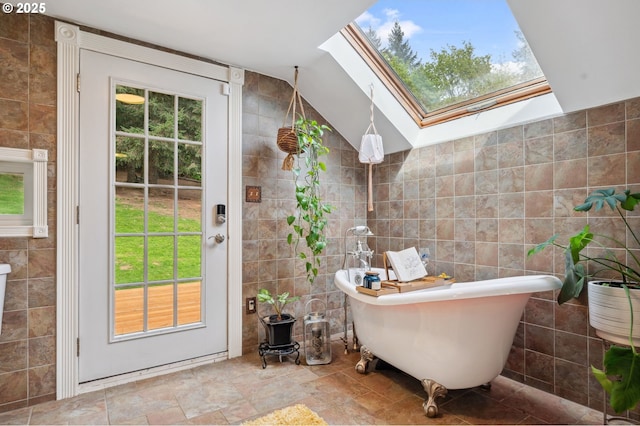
[(310, 221), (621, 375)]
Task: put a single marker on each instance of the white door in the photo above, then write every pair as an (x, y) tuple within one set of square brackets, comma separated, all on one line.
[(153, 172)]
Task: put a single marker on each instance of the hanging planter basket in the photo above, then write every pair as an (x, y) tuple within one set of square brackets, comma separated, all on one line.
[(287, 139), (371, 152)]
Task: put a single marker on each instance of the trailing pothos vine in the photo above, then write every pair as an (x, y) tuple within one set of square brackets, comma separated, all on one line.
[(310, 219)]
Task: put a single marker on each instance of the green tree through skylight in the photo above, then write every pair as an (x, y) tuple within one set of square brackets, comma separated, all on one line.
[(457, 70)]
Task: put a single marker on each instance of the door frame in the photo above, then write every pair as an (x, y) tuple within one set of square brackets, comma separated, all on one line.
[(70, 39)]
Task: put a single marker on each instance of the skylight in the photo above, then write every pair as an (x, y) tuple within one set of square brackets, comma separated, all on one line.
[(444, 59)]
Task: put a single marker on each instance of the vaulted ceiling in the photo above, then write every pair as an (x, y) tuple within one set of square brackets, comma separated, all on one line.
[(586, 48)]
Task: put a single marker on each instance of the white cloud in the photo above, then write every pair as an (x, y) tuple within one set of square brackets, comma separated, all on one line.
[(383, 27), (367, 20)]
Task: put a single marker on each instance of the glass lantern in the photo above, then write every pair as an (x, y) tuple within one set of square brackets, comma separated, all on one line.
[(317, 334)]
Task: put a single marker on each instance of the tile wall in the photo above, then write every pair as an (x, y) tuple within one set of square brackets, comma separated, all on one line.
[(27, 121), (268, 261), (480, 203)]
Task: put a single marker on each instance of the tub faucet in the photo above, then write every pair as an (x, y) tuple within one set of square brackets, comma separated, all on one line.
[(358, 231), (363, 255)]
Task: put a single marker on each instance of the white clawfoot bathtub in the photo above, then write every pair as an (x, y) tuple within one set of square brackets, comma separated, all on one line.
[(454, 336)]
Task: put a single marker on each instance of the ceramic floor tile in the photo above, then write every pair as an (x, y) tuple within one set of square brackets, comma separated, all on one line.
[(169, 416), (478, 409), (213, 418), (16, 417), (234, 391)]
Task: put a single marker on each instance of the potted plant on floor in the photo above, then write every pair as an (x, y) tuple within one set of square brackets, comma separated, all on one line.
[(309, 222), (279, 326), (620, 277)]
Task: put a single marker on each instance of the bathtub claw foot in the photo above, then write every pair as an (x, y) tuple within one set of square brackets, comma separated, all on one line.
[(366, 356), (434, 390)]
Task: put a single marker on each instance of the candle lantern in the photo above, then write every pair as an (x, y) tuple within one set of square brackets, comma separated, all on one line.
[(317, 334)]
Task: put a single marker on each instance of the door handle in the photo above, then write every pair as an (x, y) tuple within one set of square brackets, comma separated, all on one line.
[(219, 238)]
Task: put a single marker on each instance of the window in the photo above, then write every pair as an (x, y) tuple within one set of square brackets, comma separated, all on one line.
[(450, 58), (23, 192)]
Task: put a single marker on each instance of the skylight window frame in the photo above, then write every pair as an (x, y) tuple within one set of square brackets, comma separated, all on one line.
[(358, 40)]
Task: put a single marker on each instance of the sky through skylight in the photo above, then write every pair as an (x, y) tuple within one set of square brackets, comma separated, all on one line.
[(464, 49), (432, 24)]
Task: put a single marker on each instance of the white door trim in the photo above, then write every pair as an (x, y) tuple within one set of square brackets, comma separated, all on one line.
[(70, 39)]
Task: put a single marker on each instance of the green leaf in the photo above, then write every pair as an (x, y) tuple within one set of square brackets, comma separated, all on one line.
[(601, 196), (573, 280), (578, 242), (602, 378), (290, 220), (624, 366), (542, 246), (264, 296), (631, 201)]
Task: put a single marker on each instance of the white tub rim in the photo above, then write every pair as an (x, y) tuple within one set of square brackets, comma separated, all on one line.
[(465, 290)]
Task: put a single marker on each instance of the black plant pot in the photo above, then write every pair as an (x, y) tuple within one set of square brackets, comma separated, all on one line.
[(279, 332)]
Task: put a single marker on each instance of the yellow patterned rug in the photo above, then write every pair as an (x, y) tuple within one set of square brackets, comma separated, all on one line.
[(298, 414)]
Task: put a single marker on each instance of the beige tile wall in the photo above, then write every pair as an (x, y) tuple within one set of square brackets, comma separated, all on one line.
[(268, 261), (480, 203), (28, 120)]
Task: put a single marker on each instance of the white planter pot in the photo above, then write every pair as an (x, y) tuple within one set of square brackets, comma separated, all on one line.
[(609, 313)]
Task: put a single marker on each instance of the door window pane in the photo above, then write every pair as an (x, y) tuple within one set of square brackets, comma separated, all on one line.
[(129, 260), (129, 109), (190, 119), (189, 256), (161, 209), (190, 164), (129, 160), (129, 310), (129, 210), (161, 166), (189, 302), (160, 306), (160, 258), (189, 210), (161, 115)]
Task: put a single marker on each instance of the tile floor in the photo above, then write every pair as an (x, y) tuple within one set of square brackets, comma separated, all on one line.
[(237, 390)]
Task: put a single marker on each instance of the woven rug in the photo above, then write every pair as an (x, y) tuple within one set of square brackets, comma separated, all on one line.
[(298, 414)]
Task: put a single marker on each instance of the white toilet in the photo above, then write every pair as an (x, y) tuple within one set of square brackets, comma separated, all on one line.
[(4, 270)]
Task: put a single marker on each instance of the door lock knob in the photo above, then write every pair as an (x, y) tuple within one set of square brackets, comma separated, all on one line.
[(219, 238)]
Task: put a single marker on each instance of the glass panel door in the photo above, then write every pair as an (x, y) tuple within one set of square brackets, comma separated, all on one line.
[(158, 212)]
